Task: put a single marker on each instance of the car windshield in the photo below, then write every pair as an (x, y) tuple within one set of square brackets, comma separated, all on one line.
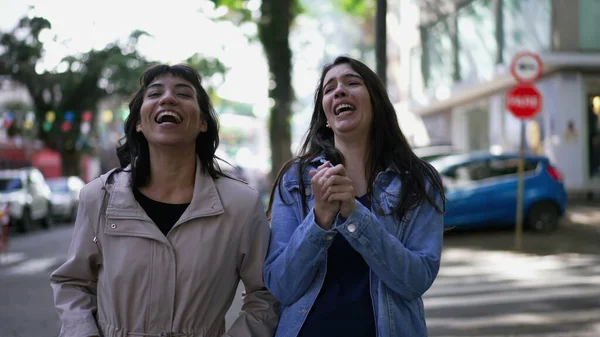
[(441, 164), (10, 184), (58, 186)]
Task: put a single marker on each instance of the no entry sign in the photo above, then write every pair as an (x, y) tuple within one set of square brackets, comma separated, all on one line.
[(526, 67), (524, 101)]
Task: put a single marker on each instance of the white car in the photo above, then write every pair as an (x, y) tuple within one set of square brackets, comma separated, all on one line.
[(64, 196), (28, 195)]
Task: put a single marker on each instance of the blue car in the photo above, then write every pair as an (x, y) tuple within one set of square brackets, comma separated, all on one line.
[(481, 189)]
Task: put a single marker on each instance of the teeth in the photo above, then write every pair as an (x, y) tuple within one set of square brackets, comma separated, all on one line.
[(342, 106), (169, 113)]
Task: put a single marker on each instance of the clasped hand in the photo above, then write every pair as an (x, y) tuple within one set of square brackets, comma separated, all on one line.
[(333, 191)]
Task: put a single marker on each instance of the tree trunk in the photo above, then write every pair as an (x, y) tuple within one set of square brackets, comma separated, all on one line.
[(70, 163), (381, 40), (274, 28)]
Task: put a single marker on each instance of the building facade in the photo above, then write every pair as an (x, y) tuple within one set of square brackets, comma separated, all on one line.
[(459, 74)]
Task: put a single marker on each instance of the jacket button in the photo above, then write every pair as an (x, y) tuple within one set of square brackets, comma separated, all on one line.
[(351, 228), (113, 226)]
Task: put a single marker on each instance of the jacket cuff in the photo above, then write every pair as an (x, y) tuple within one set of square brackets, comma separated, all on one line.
[(355, 223), (316, 234), (84, 326)]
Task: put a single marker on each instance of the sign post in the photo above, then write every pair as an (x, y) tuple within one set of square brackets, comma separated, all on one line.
[(524, 101)]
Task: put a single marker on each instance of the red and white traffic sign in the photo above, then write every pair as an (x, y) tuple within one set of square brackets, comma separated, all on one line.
[(526, 67), (524, 101)]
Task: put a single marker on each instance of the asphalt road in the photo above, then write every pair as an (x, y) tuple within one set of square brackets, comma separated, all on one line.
[(485, 288)]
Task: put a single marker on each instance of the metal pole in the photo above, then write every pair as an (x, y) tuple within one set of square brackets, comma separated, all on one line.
[(521, 173), (381, 40)]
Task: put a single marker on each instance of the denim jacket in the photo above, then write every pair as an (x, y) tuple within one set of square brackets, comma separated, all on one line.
[(403, 256)]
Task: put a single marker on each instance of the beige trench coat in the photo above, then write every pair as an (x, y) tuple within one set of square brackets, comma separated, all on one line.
[(125, 278)]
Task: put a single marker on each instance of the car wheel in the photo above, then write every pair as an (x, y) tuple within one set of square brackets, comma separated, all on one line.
[(543, 217), (48, 221), (24, 224), (73, 214)]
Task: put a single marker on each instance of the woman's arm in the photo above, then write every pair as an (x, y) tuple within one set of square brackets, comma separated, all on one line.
[(296, 249), (260, 311), (408, 269), (74, 283)]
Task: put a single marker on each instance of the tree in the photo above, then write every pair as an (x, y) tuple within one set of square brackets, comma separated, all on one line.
[(82, 82), (381, 40), (372, 16), (364, 11), (276, 18)]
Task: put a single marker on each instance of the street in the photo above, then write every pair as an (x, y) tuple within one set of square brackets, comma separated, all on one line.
[(484, 288)]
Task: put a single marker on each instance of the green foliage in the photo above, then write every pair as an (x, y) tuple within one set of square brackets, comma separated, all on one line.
[(206, 67), (83, 80), (238, 12), (358, 8)]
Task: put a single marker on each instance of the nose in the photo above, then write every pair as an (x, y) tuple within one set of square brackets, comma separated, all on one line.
[(168, 98), (339, 92)]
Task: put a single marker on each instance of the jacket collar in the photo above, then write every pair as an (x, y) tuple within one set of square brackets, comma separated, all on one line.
[(206, 200)]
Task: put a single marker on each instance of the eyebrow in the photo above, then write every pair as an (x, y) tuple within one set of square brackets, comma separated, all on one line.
[(178, 85), (349, 75)]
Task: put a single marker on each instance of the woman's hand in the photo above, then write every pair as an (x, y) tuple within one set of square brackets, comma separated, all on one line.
[(338, 188), (325, 211)]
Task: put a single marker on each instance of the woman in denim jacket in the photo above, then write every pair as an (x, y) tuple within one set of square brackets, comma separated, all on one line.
[(357, 218)]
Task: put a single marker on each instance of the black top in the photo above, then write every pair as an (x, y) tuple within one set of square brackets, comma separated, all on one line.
[(343, 307), (164, 215)]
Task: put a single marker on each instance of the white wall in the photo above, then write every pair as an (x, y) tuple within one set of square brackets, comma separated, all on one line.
[(564, 101)]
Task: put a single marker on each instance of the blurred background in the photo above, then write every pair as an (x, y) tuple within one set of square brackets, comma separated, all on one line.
[(68, 69)]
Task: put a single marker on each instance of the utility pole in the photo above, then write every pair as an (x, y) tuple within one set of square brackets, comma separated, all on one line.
[(381, 40)]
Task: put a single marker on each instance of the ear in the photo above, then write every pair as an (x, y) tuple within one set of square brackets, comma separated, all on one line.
[(203, 126), (138, 126)]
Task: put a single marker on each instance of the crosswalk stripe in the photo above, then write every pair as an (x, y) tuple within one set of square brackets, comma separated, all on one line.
[(552, 334), (538, 266), (10, 258), (33, 266), (522, 318), (460, 288), (473, 287), (508, 297)]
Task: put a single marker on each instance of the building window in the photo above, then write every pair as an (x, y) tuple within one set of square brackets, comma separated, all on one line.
[(527, 26), (439, 47), (477, 41), (589, 30)]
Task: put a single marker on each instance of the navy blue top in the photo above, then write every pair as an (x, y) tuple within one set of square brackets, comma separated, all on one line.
[(343, 307), (164, 215)]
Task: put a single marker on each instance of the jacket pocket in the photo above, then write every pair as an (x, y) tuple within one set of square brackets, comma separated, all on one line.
[(299, 194)]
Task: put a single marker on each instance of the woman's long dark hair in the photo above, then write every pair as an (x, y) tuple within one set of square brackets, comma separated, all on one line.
[(388, 149), (133, 148)]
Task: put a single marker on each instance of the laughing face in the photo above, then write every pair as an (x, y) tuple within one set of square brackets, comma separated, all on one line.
[(346, 101), (170, 114)]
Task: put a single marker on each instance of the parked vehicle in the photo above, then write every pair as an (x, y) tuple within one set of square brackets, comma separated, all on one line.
[(28, 195), (430, 153), (4, 221), (482, 191), (64, 196)]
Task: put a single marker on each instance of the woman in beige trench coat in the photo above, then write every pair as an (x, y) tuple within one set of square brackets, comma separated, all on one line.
[(160, 245)]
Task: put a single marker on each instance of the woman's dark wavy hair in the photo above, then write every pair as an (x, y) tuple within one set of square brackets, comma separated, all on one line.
[(133, 148), (389, 147)]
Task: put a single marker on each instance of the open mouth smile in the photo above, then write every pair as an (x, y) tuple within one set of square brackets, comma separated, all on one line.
[(168, 117), (343, 108)]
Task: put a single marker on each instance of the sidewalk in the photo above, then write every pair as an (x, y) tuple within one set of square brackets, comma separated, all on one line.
[(578, 233), (586, 213)]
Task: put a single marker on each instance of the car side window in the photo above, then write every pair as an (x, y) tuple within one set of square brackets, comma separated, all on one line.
[(472, 171), (506, 167)]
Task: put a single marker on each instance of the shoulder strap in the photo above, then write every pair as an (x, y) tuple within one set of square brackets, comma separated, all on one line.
[(106, 179)]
